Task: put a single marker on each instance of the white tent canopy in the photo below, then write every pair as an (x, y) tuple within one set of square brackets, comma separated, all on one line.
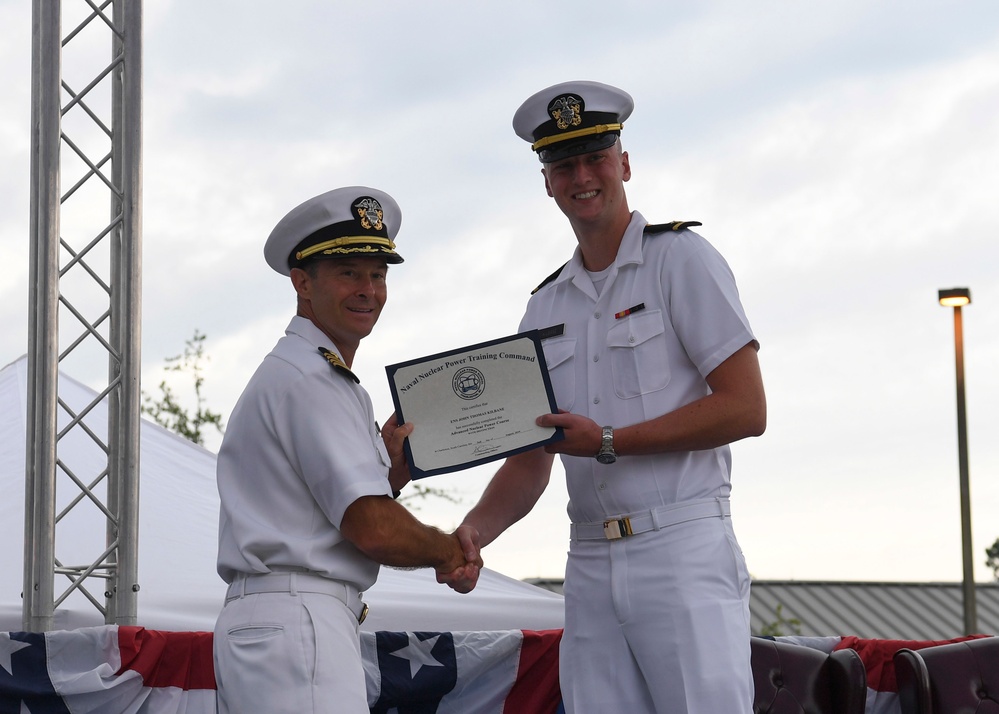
[(178, 520)]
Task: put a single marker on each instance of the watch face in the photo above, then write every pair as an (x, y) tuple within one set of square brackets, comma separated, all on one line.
[(608, 458)]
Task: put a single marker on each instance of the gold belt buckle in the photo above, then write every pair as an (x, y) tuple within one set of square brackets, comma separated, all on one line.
[(364, 613), (618, 528)]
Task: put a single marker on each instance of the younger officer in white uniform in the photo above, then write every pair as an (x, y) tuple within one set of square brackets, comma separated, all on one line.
[(306, 480), (654, 364)]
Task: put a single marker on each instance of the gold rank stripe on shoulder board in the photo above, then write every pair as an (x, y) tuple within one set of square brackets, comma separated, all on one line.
[(338, 365), (671, 226)]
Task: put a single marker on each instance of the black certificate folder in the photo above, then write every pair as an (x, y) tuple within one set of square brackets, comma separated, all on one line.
[(474, 404)]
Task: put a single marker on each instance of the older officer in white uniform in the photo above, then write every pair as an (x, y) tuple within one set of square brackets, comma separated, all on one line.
[(654, 363), (306, 480)]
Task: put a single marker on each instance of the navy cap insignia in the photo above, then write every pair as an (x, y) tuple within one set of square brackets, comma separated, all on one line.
[(370, 212), (566, 110)]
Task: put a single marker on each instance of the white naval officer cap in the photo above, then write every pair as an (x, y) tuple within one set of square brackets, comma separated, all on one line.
[(572, 118), (350, 222)]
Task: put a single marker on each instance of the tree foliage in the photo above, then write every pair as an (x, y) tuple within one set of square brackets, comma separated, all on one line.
[(993, 558), (168, 411), (776, 628), (417, 492)]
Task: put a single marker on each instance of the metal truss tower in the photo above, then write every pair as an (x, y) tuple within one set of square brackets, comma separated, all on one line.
[(84, 301)]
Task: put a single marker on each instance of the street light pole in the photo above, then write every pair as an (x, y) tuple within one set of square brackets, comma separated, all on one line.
[(957, 298)]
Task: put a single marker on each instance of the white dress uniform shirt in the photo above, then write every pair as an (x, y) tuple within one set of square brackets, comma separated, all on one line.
[(640, 349), (300, 447)]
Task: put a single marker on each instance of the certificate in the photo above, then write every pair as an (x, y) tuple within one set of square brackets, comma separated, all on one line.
[(474, 404)]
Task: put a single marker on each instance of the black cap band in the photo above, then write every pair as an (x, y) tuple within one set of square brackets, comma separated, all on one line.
[(574, 147)]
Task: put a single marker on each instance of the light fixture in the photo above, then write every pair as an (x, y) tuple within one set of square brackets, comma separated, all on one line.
[(954, 297), (957, 298)]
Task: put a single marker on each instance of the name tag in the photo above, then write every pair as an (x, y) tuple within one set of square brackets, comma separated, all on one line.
[(553, 331)]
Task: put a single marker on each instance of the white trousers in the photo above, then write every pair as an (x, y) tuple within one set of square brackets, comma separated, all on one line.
[(659, 623), (294, 653)]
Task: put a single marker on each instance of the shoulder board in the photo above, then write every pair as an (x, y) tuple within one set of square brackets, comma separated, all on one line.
[(338, 366), (550, 278), (671, 226)]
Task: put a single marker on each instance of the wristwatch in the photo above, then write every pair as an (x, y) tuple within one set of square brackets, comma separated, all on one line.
[(606, 455)]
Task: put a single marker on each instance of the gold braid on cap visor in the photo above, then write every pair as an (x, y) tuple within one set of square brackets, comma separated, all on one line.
[(338, 245), (597, 129)]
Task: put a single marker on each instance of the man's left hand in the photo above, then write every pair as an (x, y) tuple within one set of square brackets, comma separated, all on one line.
[(394, 435), (582, 434)]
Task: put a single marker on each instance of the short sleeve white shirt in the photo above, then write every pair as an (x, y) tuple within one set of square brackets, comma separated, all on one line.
[(667, 315), (301, 445)]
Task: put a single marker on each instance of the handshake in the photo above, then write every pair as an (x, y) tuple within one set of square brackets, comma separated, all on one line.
[(461, 561), (461, 572)]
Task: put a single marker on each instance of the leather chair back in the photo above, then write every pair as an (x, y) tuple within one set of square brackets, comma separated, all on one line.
[(793, 679), (956, 678)]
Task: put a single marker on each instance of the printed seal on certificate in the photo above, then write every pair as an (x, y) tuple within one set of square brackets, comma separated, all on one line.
[(474, 404)]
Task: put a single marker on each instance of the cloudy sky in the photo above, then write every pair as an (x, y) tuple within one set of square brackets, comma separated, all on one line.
[(843, 156)]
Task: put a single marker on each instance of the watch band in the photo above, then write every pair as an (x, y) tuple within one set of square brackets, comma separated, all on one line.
[(607, 455)]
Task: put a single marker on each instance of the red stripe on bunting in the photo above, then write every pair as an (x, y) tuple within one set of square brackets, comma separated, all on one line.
[(168, 659), (536, 688)]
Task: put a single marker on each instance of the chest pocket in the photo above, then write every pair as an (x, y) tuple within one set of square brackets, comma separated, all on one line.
[(559, 354), (637, 346)]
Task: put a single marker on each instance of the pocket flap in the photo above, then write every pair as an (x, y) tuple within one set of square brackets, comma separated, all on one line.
[(636, 329), (558, 351)]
